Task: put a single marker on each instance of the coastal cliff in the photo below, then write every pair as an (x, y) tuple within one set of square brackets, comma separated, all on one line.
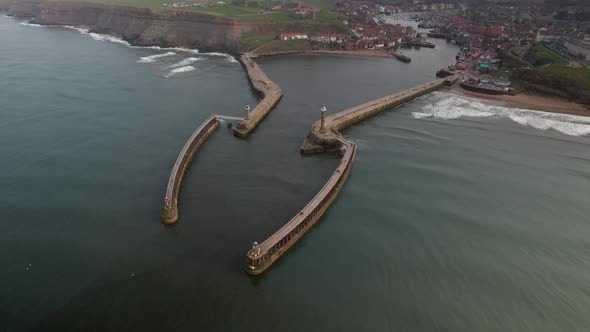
[(139, 26), (147, 27)]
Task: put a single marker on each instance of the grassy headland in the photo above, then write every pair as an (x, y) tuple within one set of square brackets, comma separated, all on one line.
[(275, 21), (540, 69), (224, 8)]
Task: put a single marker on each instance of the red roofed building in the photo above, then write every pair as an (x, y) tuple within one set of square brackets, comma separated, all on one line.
[(462, 66), (460, 20)]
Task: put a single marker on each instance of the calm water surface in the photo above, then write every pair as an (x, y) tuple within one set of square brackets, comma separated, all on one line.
[(456, 217)]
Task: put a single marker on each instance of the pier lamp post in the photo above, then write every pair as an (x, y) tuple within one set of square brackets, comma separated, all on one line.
[(256, 249), (323, 111), (247, 112)]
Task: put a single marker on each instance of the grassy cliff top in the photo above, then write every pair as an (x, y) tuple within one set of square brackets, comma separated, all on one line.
[(542, 67), (224, 8), (546, 62)]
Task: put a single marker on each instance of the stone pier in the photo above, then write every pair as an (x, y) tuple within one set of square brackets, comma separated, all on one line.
[(269, 91), (261, 256), (323, 137), (326, 137), (169, 214)]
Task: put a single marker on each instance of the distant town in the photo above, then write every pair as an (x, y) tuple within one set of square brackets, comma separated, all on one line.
[(505, 47)]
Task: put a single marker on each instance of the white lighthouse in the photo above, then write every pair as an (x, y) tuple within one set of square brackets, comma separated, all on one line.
[(323, 111), (247, 108)]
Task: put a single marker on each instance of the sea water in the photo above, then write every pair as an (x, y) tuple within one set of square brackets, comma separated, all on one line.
[(458, 216)]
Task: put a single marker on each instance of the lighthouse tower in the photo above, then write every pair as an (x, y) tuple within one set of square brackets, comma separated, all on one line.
[(323, 111)]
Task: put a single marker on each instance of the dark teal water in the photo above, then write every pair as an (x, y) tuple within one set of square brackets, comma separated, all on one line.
[(457, 216)]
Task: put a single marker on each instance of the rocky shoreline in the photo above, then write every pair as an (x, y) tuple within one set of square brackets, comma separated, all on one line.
[(138, 26)]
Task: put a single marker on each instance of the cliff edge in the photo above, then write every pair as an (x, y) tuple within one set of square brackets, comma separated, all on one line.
[(139, 26)]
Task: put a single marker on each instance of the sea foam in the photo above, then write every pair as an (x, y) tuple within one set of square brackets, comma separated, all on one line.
[(97, 36), (184, 62), (103, 37), (153, 58), (454, 107), (227, 57), (179, 70), (29, 24)]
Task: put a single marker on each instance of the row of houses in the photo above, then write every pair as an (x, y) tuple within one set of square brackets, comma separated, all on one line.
[(435, 6), (322, 37)]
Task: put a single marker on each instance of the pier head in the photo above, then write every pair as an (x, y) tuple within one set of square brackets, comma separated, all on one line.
[(266, 89)]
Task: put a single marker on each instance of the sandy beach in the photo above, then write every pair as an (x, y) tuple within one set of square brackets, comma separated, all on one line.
[(526, 101)]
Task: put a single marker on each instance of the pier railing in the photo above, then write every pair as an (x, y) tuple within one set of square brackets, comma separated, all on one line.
[(261, 256)]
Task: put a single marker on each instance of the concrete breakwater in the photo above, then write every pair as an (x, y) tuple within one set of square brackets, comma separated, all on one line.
[(269, 91), (261, 256), (169, 214), (325, 135)]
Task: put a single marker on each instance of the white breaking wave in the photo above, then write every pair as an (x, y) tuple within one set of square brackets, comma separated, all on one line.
[(101, 37), (153, 58), (98, 36), (228, 57), (179, 70), (184, 63), (454, 107), (29, 24)]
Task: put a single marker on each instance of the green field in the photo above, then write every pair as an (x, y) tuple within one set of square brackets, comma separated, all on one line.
[(226, 9), (548, 69), (325, 22), (548, 63)]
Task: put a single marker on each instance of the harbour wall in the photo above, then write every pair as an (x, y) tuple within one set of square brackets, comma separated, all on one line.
[(329, 138), (262, 256), (271, 94), (267, 90), (169, 214)]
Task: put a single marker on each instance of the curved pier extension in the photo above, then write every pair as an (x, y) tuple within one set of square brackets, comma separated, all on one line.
[(327, 139), (169, 214), (271, 94), (261, 257)]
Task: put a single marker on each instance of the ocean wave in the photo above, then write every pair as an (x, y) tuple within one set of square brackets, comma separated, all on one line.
[(179, 70), (454, 107), (29, 24), (184, 62), (228, 57), (153, 58), (97, 36), (113, 39)]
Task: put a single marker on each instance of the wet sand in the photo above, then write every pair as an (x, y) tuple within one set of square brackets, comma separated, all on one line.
[(526, 101)]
